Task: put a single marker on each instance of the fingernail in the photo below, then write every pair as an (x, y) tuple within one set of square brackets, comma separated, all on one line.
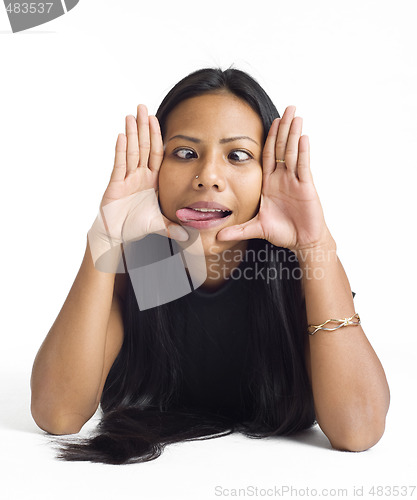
[(177, 233)]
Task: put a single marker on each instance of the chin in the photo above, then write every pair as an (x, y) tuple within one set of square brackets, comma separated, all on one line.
[(211, 245)]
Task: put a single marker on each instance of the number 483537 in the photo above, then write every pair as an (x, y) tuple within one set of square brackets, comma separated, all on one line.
[(29, 8), (395, 491)]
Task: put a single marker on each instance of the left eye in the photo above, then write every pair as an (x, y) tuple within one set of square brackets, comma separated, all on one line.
[(184, 152), (246, 156)]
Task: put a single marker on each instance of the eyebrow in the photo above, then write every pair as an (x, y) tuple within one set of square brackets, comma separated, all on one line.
[(222, 141)]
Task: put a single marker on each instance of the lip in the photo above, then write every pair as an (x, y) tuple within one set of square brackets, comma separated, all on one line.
[(205, 224), (208, 204)]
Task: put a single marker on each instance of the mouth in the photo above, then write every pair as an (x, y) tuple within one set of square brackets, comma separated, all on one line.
[(202, 215)]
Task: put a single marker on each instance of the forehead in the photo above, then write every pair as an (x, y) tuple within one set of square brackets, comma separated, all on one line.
[(216, 115)]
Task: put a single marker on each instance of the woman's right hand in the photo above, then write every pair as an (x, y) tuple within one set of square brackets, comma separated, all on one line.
[(129, 205)]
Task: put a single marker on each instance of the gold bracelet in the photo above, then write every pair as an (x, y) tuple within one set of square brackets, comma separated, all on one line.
[(343, 322)]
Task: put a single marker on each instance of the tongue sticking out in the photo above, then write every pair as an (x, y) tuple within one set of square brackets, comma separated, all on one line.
[(186, 214)]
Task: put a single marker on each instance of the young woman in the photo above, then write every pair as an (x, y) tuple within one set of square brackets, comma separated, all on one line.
[(248, 349)]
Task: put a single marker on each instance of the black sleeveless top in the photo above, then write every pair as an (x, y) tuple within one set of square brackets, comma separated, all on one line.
[(215, 346)]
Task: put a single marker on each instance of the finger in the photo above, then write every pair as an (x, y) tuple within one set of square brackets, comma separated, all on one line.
[(303, 165), (283, 130), (268, 154), (291, 152), (157, 146), (246, 231), (171, 230), (177, 232), (144, 139), (119, 169), (132, 153)]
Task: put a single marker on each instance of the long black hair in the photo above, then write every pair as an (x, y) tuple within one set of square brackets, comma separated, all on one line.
[(139, 400)]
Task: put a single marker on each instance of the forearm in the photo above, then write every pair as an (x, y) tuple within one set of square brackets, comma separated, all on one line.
[(350, 390), (67, 369)]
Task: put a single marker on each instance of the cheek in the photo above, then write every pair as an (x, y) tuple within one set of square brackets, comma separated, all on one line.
[(168, 172), (169, 183), (251, 187), (162, 173), (163, 192), (165, 179), (248, 192)]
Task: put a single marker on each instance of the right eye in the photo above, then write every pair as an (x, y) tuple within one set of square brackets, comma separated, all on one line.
[(183, 152)]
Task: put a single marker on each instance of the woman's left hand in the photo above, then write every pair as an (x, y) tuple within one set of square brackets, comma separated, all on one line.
[(290, 214)]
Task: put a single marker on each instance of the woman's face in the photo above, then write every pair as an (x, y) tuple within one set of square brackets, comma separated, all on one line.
[(217, 137)]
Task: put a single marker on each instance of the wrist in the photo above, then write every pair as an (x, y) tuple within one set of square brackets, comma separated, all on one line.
[(325, 242), (320, 252)]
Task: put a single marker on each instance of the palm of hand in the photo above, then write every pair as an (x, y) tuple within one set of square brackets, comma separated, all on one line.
[(290, 213), (140, 179), (130, 201)]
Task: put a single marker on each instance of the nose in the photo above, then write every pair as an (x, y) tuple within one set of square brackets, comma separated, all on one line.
[(209, 175)]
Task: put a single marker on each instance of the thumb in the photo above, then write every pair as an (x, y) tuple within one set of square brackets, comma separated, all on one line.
[(175, 231), (246, 231)]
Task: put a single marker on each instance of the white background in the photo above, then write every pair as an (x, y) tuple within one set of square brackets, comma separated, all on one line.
[(65, 88)]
